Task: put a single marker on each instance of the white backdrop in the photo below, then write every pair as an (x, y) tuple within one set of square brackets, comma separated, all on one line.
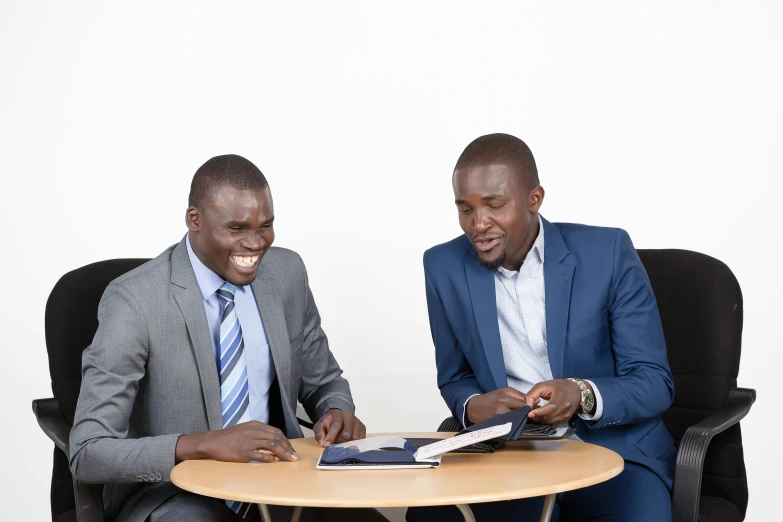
[(662, 118)]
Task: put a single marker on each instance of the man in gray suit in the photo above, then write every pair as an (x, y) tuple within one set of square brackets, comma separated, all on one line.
[(202, 352)]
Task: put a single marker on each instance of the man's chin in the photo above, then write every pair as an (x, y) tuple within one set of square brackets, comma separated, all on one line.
[(492, 264), (243, 282), (240, 279)]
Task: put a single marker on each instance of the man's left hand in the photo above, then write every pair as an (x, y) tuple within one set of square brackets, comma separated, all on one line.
[(564, 398), (338, 426)]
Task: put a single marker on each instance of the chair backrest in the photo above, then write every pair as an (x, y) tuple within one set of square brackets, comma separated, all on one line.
[(71, 321), (700, 303)]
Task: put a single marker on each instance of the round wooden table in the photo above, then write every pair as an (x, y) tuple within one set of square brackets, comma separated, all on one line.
[(519, 470)]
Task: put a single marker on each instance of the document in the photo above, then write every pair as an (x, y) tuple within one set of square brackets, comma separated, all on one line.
[(390, 452)]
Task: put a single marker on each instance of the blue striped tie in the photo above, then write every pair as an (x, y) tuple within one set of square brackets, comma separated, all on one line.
[(234, 395)]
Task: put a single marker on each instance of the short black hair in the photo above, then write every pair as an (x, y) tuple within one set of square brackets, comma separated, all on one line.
[(228, 169), (501, 149)]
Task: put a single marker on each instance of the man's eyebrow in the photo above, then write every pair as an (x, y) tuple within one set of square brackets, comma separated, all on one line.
[(490, 197), (499, 195), (234, 222)]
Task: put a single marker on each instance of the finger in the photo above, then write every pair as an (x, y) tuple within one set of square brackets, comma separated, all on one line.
[(557, 411), (264, 431), (261, 456), (334, 431), (545, 413), (347, 432), (281, 448), (278, 439), (359, 430), (512, 403), (272, 430), (321, 428), (537, 392), (513, 392)]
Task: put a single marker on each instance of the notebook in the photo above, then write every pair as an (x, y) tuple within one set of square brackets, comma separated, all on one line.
[(391, 452)]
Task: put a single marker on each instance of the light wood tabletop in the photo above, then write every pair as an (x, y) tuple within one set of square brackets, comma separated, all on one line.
[(519, 470)]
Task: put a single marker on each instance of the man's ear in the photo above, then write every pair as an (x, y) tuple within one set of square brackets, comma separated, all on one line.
[(536, 198), (193, 219)]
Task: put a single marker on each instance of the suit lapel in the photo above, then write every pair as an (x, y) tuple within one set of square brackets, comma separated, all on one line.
[(481, 285), (188, 296), (276, 328), (558, 278)]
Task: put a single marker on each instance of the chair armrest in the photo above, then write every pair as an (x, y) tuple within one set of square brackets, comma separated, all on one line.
[(303, 418), (52, 421), (89, 502), (450, 424), (306, 424), (88, 498), (693, 450)]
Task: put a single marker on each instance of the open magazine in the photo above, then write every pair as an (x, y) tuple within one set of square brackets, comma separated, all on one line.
[(391, 452)]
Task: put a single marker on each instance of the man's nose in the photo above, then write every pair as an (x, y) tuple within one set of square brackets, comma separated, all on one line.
[(253, 241), (482, 223)]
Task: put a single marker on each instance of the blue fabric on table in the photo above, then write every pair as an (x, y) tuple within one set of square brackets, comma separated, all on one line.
[(350, 455)]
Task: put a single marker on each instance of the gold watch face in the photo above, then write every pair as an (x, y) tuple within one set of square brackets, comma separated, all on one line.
[(588, 401), (586, 398)]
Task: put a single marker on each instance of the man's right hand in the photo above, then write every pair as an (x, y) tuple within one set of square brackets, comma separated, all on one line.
[(244, 442), (504, 400)]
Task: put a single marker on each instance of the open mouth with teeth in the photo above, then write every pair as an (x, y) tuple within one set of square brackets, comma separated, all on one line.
[(245, 263)]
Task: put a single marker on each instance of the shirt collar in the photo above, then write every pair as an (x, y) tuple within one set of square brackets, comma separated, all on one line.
[(536, 251), (208, 281), (538, 244)]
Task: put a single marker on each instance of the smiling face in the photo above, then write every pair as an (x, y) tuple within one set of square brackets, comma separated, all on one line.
[(497, 213), (231, 231)]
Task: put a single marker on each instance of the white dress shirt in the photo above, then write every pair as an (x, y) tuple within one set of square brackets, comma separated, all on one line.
[(520, 298)]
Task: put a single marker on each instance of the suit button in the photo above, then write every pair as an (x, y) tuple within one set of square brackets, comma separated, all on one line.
[(158, 477), (138, 477), (146, 478)]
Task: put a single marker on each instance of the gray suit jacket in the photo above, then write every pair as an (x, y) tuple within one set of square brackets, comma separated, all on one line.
[(150, 373)]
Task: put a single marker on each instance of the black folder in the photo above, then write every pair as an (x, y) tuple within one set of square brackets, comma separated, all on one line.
[(521, 430)]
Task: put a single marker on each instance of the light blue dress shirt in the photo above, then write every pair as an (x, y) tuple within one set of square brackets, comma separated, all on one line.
[(520, 298), (260, 367)]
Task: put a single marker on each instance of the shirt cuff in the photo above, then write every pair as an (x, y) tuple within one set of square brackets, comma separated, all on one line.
[(599, 405), (465, 409)]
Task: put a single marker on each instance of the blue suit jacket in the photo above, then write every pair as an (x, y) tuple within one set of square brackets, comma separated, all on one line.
[(602, 324)]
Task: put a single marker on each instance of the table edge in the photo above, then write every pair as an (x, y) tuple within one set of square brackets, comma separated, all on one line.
[(439, 501)]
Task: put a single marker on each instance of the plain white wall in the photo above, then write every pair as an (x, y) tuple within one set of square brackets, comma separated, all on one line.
[(662, 118)]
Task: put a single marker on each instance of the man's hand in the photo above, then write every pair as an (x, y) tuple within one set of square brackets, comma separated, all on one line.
[(564, 398), (504, 400), (338, 426), (246, 442)]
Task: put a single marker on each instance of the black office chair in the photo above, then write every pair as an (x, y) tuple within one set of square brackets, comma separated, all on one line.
[(701, 310), (71, 322)]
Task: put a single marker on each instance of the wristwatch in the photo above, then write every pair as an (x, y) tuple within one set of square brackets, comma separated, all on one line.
[(588, 399)]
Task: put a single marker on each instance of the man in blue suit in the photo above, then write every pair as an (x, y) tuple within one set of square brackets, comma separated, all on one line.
[(557, 316)]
